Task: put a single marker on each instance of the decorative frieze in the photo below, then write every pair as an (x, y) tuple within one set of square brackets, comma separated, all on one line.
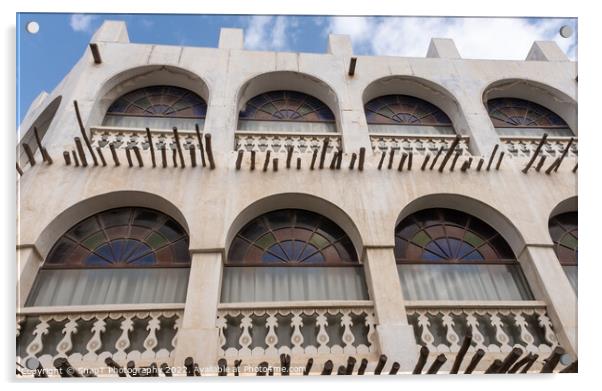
[(525, 146), (280, 142), (417, 144)]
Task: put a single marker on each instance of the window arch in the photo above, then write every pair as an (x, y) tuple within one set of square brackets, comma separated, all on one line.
[(122, 255), (160, 107), (450, 255), (406, 114), (563, 231), (513, 116), (292, 254), (286, 111)]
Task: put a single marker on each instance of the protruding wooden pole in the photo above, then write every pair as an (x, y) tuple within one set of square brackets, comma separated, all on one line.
[(391, 157), (552, 166), (84, 135), (449, 152), (192, 151), (541, 162), (424, 353), (363, 365), (138, 156), (333, 161), (95, 53), (200, 140), (425, 162), (494, 367), (552, 361), (453, 165), (29, 153), (275, 164), (313, 159), (307, 370), (164, 156), (116, 367), (339, 160), (266, 162), (466, 165), (462, 352), (75, 159), (350, 365), (436, 157), (437, 364), (499, 161), (237, 367), (80, 152), (46, 156), (535, 153), (285, 364), (492, 156), (394, 368), (209, 150), (341, 370), (114, 153), (166, 370), (360, 165), (474, 361), (410, 156), (382, 360), (151, 147), (67, 158), (65, 368), (564, 153), (575, 168), (352, 161), (253, 160), (222, 366), (352, 63), (178, 146), (189, 364), (327, 368), (323, 153), (262, 368), (298, 163), (239, 159), (510, 359), (101, 156), (289, 156), (43, 151), (530, 363), (174, 156), (571, 368), (382, 159), (480, 164), (402, 161), (21, 171), (128, 155)]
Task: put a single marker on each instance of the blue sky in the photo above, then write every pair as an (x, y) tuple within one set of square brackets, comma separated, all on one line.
[(43, 59)]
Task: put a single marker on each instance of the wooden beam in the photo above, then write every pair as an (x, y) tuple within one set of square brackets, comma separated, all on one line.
[(289, 156), (323, 153), (149, 138), (352, 63), (252, 160), (467, 164), (200, 141), (424, 353), (313, 159), (492, 156), (239, 159), (341, 370), (192, 151), (84, 134), (285, 364), (425, 161), (552, 361), (453, 165), (237, 367), (437, 364), (363, 365), (404, 156), (362, 157), (462, 352), (222, 367), (138, 156), (66, 156), (327, 370), (480, 164), (65, 368), (350, 365), (101, 156), (499, 161), (436, 157), (95, 53), (310, 363), (494, 367), (43, 151), (352, 161), (174, 157), (21, 171), (391, 157), (571, 368), (166, 370), (510, 359), (178, 146), (474, 361), (535, 153), (575, 168), (275, 164), (29, 153), (382, 360), (382, 159), (266, 162), (564, 153), (46, 155), (164, 156), (262, 368), (80, 152), (339, 160), (410, 156), (128, 155), (394, 368), (114, 153), (75, 159), (209, 150), (552, 166), (333, 161), (541, 162), (298, 163), (530, 363), (449, 152), (189, 364), (116, 367)]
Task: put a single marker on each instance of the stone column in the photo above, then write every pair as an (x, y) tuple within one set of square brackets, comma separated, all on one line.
[(550, 284), (29, 262), (394, 335), (198, 334)]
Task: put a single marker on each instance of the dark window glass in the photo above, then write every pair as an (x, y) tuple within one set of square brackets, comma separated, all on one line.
[(286, 106), (563, 230), (513, 112), (160, 101), (404, 110)]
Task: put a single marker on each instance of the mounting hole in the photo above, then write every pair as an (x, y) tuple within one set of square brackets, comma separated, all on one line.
[(32, 27), (566, 31)]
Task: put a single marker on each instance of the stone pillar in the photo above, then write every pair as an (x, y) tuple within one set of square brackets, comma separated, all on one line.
[(546, 51), (550, 284), (443, 48), (29, 262), (198, 334), (394, 335)]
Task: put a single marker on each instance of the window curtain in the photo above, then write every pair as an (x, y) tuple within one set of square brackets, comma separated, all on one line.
[(463, 282), (249, 284), (125, 121), (287, 126), (571, 273), (109, 286)]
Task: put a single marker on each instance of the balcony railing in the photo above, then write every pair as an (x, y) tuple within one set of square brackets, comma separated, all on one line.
[(86, 336), (497, 327), (263, 331), (278, 142), (102, 136), (524, 146), (417, 144)]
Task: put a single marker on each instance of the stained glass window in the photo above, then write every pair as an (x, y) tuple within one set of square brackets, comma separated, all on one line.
[(563, 230), (514, 112), (291, 237), (123, 237), (404, 110), (286, 106), (160, 101)]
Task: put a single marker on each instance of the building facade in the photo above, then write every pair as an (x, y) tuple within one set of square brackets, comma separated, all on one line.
[(320, 206)]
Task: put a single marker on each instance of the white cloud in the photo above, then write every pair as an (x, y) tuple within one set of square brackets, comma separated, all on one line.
[(493, 38), (80, 22), (267, 33)]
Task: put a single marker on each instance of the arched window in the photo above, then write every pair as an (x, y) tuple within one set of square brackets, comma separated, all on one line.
[(444, 254), (157, 107), (513, 116), (291, 255), (289, 111), (407, 115), (119, 256), (563, 230)]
